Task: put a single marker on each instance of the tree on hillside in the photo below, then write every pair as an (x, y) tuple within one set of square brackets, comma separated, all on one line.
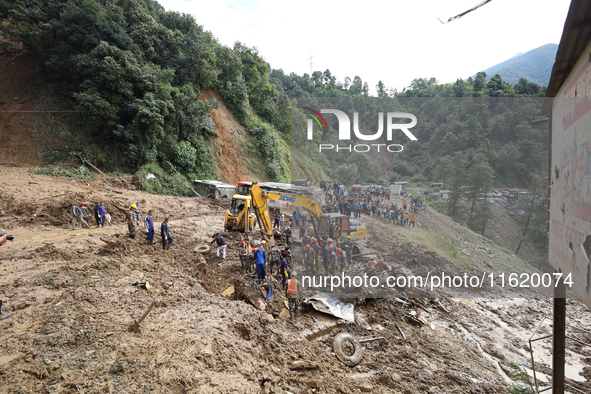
[(535, 205), (482, 213), (381, 89), (456, 175), (348, 174), (480, 178), (480, 81)]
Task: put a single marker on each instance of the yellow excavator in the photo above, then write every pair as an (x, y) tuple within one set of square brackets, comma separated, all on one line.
[(337, 226), (240, 217)]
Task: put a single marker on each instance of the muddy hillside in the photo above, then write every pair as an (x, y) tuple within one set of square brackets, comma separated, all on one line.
[(93, 311)]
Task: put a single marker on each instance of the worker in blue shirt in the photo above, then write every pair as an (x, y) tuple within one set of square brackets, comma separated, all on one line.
[(150, 227), (259, 257), (165, 234)]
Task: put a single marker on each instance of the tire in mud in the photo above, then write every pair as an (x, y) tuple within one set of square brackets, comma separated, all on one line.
[(347, 349), (202, 249)]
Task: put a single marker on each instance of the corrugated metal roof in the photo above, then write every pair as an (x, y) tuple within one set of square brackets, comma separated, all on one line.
[(575, 36)]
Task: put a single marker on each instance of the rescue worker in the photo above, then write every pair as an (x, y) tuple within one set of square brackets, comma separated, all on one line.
[(309, 260), (97, 216), (130, 219), (85, 214), (292, 294), (221, 242), (285, 253), (284, 272), (348, 248), (277, 217), (150, 227), (306, 239), (341, 260), (316, 249), (77, 215), (332, 260), (274, 259), (288, 234), (165, 234), (259, 257), (243, 251), (412, 220), (102, 213), (302, 231), (282, 222), (325, 257), (138, 210)]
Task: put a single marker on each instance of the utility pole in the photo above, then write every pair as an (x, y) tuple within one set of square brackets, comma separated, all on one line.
[(311, 61)]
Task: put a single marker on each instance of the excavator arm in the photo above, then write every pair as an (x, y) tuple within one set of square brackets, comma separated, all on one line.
[(259, 204)]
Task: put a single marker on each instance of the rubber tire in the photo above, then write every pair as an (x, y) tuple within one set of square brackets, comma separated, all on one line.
[(337, 346), (202, 249)]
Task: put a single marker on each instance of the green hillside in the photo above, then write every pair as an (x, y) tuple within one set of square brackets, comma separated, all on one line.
[(535, 65)]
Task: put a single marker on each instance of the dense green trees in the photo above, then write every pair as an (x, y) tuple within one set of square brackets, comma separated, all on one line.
[(136, 70)]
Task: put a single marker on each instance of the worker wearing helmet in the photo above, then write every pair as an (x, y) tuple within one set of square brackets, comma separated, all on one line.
[(305, 239), (316, 248), (341, 260), (292, 294), (274, 259), (325, 257), (284, 272), (309, 260), (332, 259), (348, 249), (131, 221), (242, 252), (260, 257), (84, 210)]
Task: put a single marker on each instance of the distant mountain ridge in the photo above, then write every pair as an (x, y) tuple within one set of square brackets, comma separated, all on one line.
[(535, 65)]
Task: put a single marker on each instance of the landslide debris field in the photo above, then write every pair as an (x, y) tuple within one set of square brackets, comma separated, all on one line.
[(73, 296)]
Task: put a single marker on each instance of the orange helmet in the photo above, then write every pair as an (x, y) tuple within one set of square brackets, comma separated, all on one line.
[(313, 240), (339, 250), (242, 243), (307, 247), (263, 242), (330, 247), (82, 203)]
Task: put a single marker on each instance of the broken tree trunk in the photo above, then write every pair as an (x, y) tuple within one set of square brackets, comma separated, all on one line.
[(91, 166)]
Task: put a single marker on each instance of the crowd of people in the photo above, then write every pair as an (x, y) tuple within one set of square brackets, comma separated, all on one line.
[(373, 201), (132, 219)]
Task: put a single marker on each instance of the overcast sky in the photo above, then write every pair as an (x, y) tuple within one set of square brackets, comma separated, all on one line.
[(394, 40)]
